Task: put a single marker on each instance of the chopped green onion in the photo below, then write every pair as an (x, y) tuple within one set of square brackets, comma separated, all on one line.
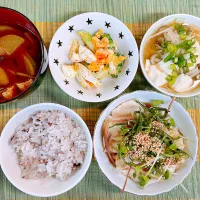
[(181, 30), (124, 130), (185, 70), (173, 146), (192, 49), (137, 171), (187, 44), (175, 59), (193, 58), (176, 26), (167, 174), (193, 40), (190, 64), (172, 66), (169, 57), (164, 44), (181, 61), (130, 148), (122, 150), (172, 81), (143, 180), (157, 102), (175, 73), (171, 48), (172, 122), (183, 36), (169, 78)]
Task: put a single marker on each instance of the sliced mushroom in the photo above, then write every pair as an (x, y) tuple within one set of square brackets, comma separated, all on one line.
[(154, 59)]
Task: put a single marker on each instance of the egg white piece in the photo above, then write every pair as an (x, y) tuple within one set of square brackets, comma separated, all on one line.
[(83, 75), (112, 68), (73, 53), (68, 71), (86, 55)]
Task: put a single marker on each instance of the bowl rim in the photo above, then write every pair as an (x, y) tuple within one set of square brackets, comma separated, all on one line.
[(100, 121), (142, 65), (42, 46), (89, 154), (137, 54)]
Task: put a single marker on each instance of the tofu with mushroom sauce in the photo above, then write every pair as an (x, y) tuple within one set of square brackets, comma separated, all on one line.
[(183, 83), (157, 76)]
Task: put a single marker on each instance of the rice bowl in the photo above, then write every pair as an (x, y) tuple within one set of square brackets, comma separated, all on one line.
[(41, 181)]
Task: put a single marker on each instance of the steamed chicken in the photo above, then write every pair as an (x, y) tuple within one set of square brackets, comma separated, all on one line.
[(143, 142), (94, 61), (172, 57)]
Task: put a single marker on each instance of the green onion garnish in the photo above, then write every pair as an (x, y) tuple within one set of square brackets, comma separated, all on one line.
[(169, 57), (172, 66), (167, 174), (164, 44), (168, 78), (181, 61), (185, 70), (157, 102), (175, 73), (183, 36), (175, 59), (171, 48), (190, 64)]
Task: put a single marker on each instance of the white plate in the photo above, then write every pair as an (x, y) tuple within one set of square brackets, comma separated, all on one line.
[(182, 18), (126, 46), (9, 161), (183, 121)]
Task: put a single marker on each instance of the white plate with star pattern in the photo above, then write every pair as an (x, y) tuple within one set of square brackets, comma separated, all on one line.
[(91, 22)]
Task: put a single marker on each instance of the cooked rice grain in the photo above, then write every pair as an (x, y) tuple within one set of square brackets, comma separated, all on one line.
[(49, 144)]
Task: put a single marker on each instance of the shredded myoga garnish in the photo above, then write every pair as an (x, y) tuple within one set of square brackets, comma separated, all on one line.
[(143, 142)]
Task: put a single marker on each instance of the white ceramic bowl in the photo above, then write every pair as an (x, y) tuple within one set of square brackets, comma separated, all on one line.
[(184, 18), (9, 161), (183, 121), (111, 86)]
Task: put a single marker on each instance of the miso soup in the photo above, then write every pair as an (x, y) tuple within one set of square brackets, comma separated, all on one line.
[(20, 60)]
